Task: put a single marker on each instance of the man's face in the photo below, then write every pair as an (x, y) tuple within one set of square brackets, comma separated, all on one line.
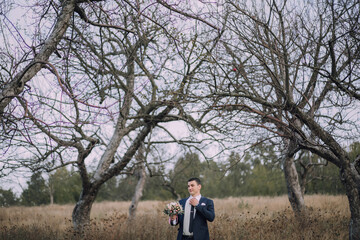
[(194, 188)]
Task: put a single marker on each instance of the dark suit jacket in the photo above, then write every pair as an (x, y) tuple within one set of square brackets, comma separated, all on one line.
[(204, 212)]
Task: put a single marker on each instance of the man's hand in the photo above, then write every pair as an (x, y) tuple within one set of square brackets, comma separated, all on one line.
[(194, 202), (173, 217)]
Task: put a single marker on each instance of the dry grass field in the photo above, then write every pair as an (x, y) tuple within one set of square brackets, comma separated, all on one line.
[(236, 218)]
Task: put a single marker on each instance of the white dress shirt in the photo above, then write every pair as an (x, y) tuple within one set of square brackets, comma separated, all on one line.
[(187, 215)]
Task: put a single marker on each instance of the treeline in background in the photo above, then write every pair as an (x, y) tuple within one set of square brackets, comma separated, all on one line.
[(256, 174)]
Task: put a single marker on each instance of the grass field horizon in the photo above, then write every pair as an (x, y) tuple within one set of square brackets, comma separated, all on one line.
[(236, 218)]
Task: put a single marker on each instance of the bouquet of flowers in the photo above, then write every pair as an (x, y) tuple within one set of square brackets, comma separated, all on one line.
[(173, 208)]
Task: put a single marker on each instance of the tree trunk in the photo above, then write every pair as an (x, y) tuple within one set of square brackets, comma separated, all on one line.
[(140, 185), (51, 192), (295, 193), (138, 194), (51, 197), (351, 180), (81, 212)]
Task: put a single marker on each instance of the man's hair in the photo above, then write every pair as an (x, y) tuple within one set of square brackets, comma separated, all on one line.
[(197, 180)]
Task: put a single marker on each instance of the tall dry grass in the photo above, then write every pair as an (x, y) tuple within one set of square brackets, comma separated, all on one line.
[(236, 218)]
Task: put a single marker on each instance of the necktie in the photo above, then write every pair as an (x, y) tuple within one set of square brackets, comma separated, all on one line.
[(191, 219)]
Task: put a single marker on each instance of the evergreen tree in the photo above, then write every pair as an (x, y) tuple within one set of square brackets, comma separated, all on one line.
[(325, 180), (66, 186), (7, 198), (258, 173), (266, 178), (156, 186), (37, 192), (354, 150), (185, 168), (211, 179), (234, 183), (108, 191), (265, 181), (126, 187)]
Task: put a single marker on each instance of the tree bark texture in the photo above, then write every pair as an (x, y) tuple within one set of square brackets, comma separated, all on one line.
[(350, 178), (51, 193), (138, 194), (81, 212), (295, 193), (140, 184), (138, 191)]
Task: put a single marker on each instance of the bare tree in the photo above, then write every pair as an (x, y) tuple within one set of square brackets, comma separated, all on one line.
[(279, 71), (122, 72)]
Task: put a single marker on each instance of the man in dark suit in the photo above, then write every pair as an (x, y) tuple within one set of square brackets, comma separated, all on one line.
[(197, 211)]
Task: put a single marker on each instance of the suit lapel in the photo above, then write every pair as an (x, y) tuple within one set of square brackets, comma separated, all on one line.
[(201, 200)]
